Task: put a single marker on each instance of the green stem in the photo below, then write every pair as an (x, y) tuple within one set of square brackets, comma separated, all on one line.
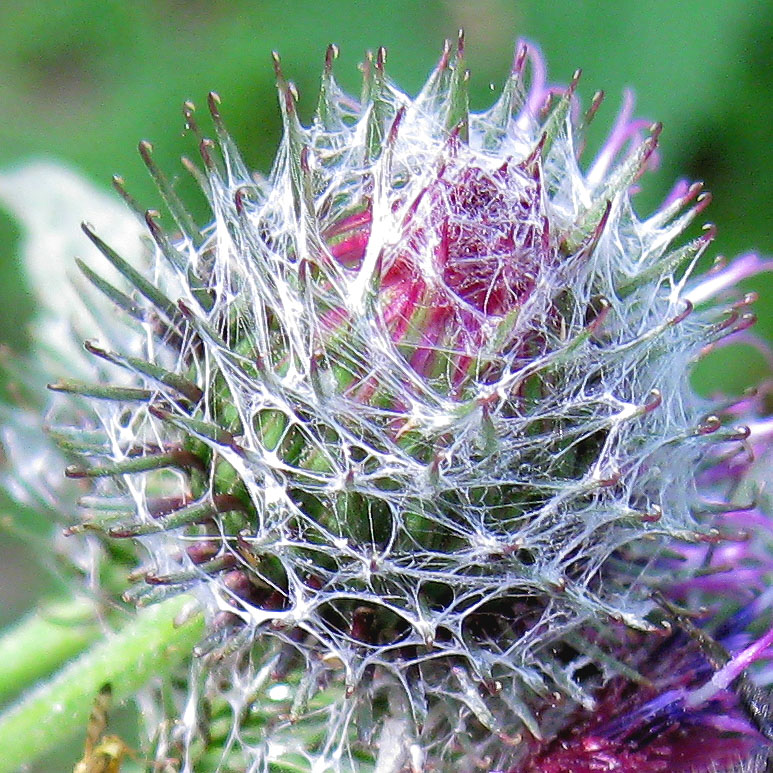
[(43, 641), (150, 645)]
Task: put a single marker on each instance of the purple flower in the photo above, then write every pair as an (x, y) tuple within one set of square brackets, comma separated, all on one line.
[(693, 709)]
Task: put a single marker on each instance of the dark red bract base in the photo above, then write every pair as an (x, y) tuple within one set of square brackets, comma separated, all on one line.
[(677, 750)]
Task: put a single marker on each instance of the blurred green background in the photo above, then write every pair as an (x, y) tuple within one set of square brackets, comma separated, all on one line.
[(83, 80)]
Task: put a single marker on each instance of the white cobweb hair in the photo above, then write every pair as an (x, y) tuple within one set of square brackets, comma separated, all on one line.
[(411, 503)]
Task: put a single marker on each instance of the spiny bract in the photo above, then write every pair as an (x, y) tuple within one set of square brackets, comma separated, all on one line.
[(412, 417)]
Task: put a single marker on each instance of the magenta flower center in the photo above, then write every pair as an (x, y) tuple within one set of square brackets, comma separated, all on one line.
[(471, 245), (489, 235)]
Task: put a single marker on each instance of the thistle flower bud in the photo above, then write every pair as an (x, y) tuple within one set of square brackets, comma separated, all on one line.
[(413, 418)]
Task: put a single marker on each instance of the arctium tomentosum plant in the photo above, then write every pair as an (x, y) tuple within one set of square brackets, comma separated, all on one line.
[(412, 417)]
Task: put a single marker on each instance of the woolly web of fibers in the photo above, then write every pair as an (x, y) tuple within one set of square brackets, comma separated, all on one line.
[(425, 520)]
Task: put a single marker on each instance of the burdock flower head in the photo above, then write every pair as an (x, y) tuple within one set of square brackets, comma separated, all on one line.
[(412, 418)]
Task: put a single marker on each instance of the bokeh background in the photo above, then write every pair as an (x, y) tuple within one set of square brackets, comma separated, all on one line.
[(82, 81)]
